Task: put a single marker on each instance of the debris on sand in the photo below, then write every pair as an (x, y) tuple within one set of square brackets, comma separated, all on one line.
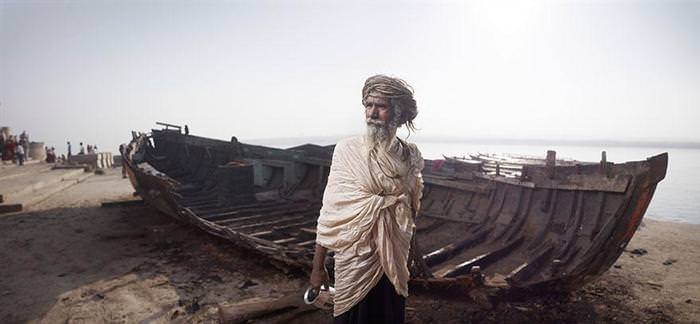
[(639, 251), (670, 262)]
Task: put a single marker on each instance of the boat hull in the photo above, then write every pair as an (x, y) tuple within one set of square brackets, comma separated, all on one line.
[(518, 224)]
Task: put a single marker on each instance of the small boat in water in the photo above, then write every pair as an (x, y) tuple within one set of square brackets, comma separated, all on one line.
[(501, 222)]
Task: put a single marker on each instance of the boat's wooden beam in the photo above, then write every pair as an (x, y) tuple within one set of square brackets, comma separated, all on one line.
[(207, 212), (460, 185), (534, 265), (454, 270), (445, 252), (482, 260), (306, 243), (446, 218), (274, 222), (262, 214), (286, 240)]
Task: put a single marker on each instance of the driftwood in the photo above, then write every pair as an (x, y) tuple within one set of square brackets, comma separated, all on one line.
[(257, 307)]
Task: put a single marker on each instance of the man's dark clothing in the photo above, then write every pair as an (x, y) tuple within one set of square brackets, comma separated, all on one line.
[(382, 305)]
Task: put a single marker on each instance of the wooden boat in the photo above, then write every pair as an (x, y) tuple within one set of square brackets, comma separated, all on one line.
[(502, 222)]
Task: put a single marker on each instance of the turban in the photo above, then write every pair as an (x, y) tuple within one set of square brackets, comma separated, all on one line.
[(399, 93)]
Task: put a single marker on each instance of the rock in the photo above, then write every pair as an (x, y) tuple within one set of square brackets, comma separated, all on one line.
[(670, 262), (688, 301), (617, 266), (655, 284), (639, 251)]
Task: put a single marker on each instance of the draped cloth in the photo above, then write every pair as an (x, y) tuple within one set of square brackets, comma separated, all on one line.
[(367, 217)]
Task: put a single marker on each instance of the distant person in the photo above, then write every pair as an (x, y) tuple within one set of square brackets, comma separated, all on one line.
[(9, 150), (94, 148), (19, 154), (89, 149), (122, 151), (82, 149), (24, 141), (69, 152), (187, 130), (51, 155)]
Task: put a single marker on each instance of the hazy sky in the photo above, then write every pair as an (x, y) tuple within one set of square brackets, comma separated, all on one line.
[(93, 71)]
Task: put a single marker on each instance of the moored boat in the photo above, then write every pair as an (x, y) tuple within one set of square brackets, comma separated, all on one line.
[(502, 222)]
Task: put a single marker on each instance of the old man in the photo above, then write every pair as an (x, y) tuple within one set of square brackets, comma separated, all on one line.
[(369, 208)]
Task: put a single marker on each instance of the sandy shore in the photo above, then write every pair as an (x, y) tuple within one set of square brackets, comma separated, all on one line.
[(69, 260)]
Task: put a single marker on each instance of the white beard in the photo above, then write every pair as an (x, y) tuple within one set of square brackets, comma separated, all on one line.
[(379, 134)]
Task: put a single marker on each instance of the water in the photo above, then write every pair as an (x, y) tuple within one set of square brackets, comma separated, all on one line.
[(677, 197)]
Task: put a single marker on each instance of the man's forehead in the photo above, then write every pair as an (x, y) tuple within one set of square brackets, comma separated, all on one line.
[(376, 97)]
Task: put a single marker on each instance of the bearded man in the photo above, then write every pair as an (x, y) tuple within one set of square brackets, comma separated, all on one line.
[(369, 208)]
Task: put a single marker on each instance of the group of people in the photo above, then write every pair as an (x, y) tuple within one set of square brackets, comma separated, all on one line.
[(91, 149), (13, 148)]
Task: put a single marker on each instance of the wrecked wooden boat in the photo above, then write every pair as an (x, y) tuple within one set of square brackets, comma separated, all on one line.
[(502, 222)]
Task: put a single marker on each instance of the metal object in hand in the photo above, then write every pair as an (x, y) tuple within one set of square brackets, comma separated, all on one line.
[(321, 298)]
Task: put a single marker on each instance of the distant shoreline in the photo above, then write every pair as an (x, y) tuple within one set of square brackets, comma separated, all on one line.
[(574, 142), (501, 141)]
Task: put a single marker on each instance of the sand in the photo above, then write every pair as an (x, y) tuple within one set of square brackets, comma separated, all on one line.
[(68, 260)]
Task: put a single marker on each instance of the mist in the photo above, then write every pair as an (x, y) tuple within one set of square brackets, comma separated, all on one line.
[(93, 71)]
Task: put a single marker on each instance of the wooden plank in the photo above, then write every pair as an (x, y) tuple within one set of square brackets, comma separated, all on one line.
[(278, 221), (261, 233), (264, 215), (588, 183), (482, 260), (459, 268), (447, 218), (451, 249), (271, 210), (122, 203), (305, 243), (460, 185), (285, 240), (10, 208)]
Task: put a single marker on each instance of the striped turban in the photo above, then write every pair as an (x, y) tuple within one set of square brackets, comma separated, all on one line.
[(399, 93)]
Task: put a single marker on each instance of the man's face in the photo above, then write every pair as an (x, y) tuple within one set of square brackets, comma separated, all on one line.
[(378, 110)]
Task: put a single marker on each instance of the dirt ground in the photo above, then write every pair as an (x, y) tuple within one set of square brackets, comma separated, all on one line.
[(68, 260)]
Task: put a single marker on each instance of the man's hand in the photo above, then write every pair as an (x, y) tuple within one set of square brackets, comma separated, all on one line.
[(319, 277)]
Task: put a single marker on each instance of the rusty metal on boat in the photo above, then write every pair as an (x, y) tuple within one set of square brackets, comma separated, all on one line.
[(502, 222)]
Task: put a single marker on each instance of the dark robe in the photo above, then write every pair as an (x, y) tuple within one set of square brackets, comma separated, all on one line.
[(381, 305)]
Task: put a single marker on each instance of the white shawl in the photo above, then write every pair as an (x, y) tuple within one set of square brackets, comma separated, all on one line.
[(367, 218)]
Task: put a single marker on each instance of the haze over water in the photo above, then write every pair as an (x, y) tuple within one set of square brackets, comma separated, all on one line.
[(93, 71)]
